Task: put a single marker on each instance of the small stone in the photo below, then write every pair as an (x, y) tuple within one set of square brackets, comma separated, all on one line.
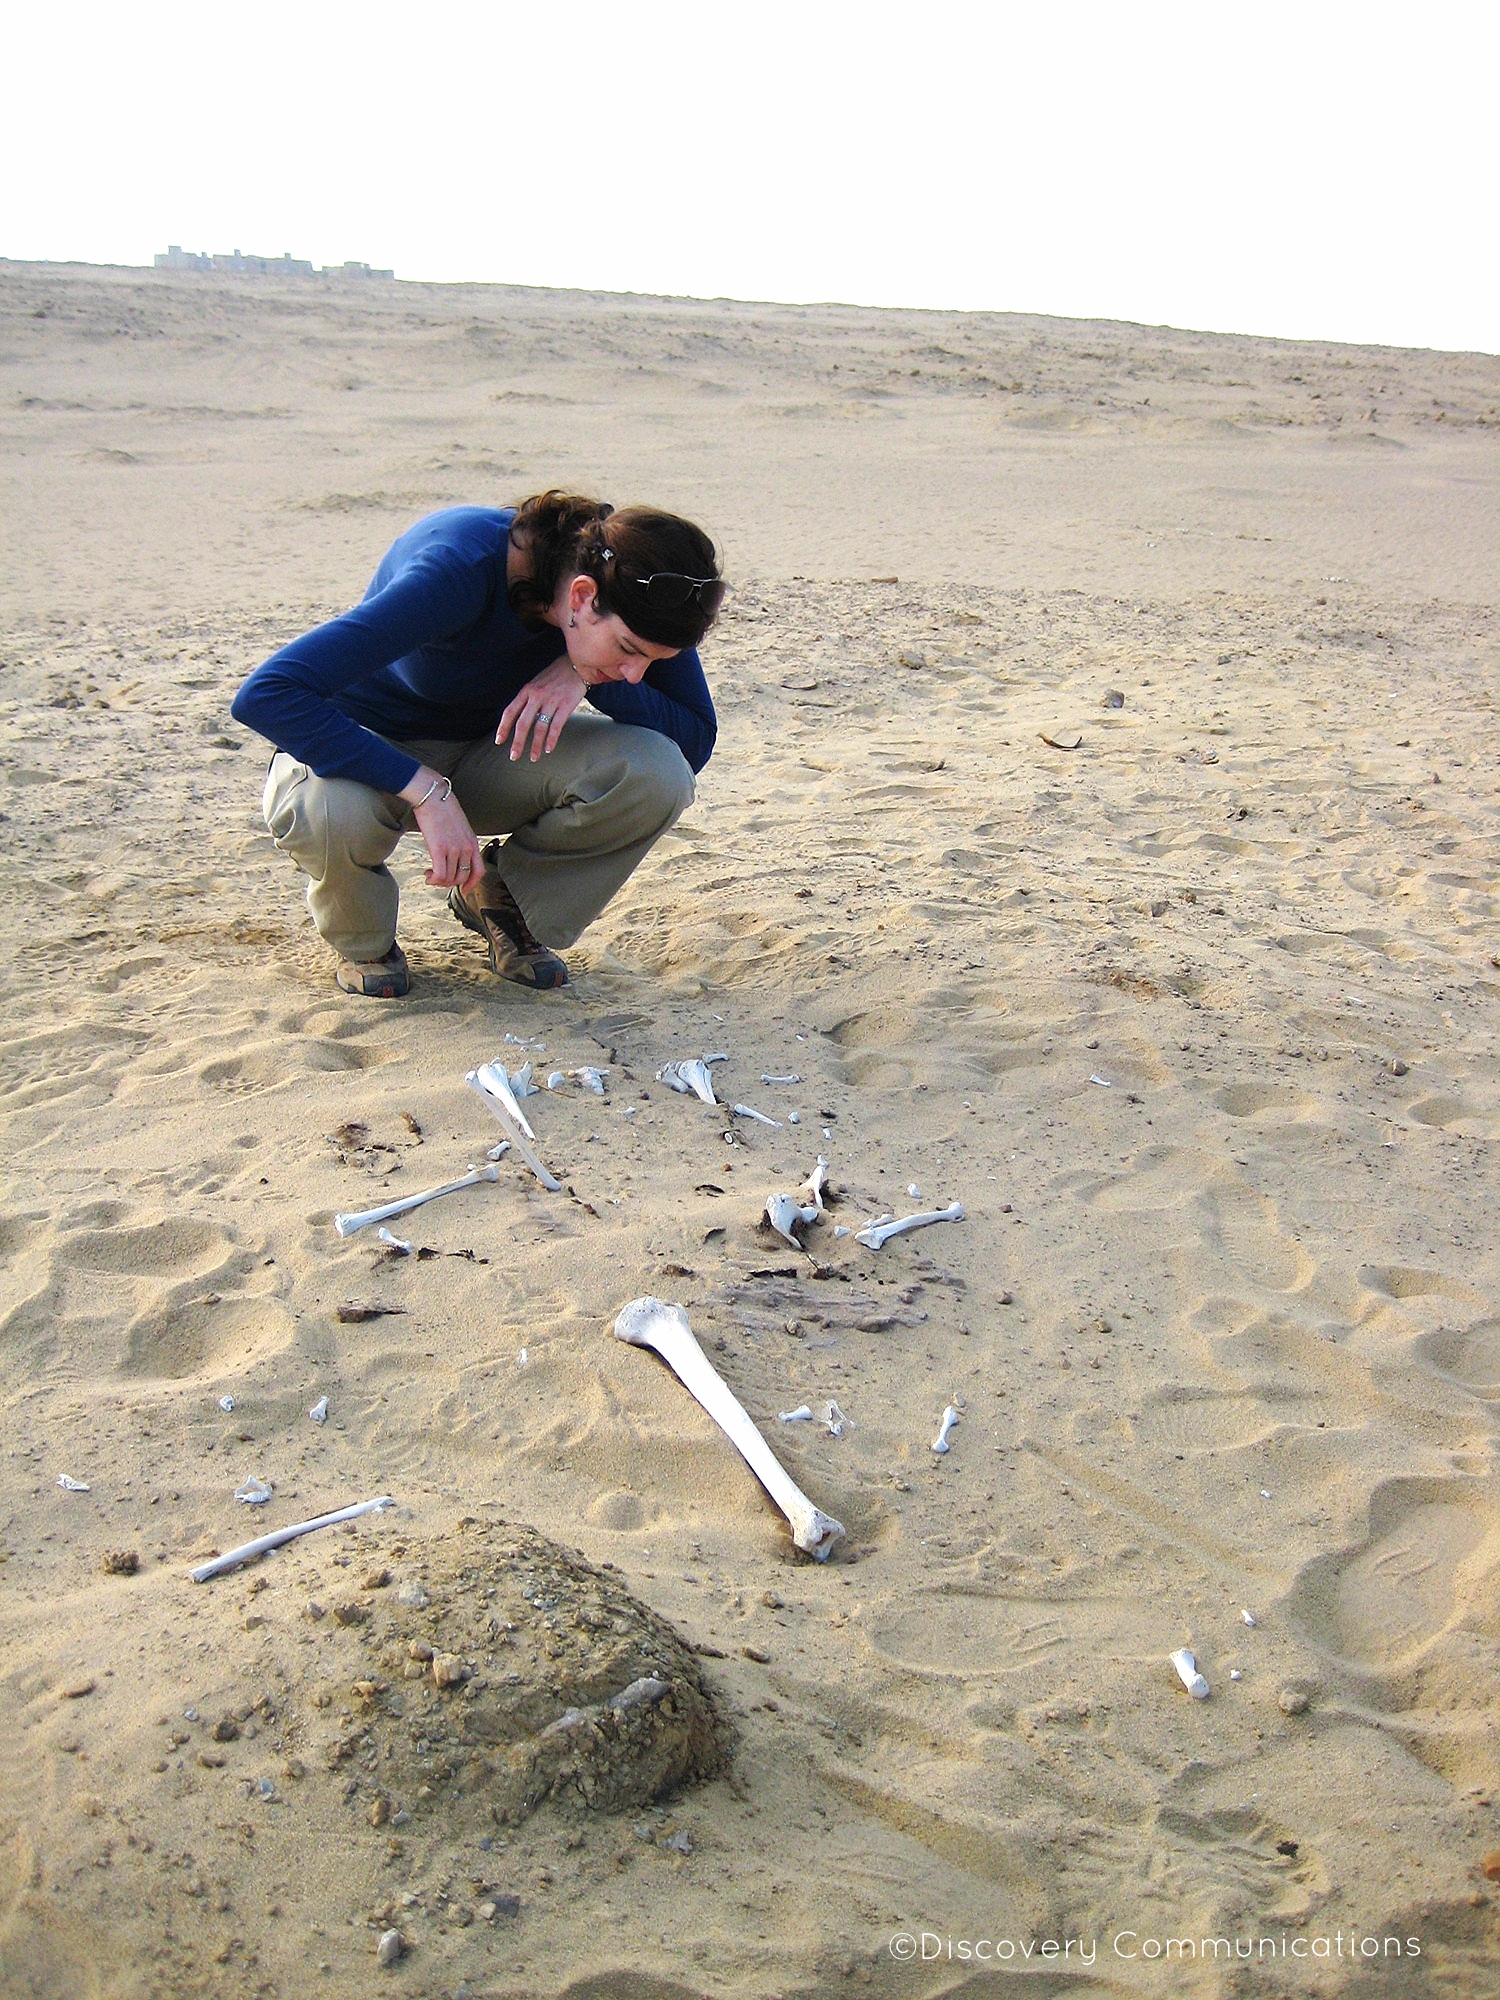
[(351, 1613), (376, 1579), (380, 1811), (225, 1730), (754, 1653), (419, 1649), (212, 1760), (76, 1690), (1159, 907), (1114, 699), (448, 1670), (391, 1948), (1396, 1066), (413, 1595), (1489, 1867), (293, 1767), (1293, 1701), (120, 1562)]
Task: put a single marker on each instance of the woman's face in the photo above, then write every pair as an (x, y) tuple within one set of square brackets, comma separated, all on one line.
[(605, 649)]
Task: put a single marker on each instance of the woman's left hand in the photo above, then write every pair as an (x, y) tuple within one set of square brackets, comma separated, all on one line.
[(541, 708)]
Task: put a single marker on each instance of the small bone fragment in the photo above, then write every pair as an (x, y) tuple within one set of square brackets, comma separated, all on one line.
[(652, 1323), (1248, 1617), (811, 1190), (781, 1079), (876, 1233), (834, 1421), (1103, 1081), (914, 1191), (794, 1118), (841, 1229), (940, 1442), (556, 1080), (801, 1415), (396, 1244), (319, 1411), (1188, 1674), (721, 1057), (226, 1404), (346, 1225), (498, 1152), (71, 1485), (685, 1077), (254, 1492), (784, 1213), (490, 1085), (744, 1111), (520, 1082), (274, 1540), (591, 1078), (524, 1041)]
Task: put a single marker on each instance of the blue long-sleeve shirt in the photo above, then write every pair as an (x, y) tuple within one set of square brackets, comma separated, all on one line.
[(434, 650)]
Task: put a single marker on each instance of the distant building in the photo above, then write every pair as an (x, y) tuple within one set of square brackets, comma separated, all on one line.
[(175, 258)]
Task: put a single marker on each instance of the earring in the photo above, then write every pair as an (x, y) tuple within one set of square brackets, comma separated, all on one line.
[(573, 620)]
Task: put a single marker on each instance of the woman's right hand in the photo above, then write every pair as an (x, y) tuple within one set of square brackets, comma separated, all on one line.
[(452, 844)]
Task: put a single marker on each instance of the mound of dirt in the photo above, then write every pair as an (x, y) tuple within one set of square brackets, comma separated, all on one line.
[(494, 1670)]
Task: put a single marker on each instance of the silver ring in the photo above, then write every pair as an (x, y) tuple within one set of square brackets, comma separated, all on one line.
[(544, 717)]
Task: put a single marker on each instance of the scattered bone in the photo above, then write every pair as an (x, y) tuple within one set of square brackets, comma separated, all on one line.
[(254, 1492), (71, 1485), (226, 1404), (279, 1535), (652, 1323), (685, 1077), (914, 1191), (834, 1421), (940, 1442), (1248, 1617), (720, 1057), (876, 1233), (498, 1152), (1103, 1081), (785, 1213), (520, 1081), (841, 1229), (591, 1078), (491, 1085), (346, 1225), (801, 1415), (319, 1411), (811, 1190), (526, 1041), (781, 1079), (556, 1080), (1188, 1674), (745, 1111), (794, 1118), (397, 1245)]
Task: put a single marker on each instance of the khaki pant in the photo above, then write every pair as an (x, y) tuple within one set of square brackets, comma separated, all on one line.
[(580, 820)]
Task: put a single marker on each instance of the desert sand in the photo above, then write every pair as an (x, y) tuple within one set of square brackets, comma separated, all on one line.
[(1196, 1019)]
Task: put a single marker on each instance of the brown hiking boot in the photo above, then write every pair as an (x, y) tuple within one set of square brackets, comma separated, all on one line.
[(491, 910), (386, 979)]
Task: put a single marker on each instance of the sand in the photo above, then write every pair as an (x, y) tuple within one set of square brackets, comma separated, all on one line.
[(1196, 1019)]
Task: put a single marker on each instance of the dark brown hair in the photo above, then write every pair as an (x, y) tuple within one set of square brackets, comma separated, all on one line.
[(565, 534)]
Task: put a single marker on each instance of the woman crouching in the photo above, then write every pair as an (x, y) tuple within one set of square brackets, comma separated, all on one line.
[(449, 701)]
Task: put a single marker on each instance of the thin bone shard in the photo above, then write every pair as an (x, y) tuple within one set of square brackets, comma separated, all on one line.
[(811, 1190), (486, 1082), (346, 1225), (881, 1232), (747, 1111), (665, 1329), (790, 1078), (940, 1442), (279, 1535), (801, 1415)]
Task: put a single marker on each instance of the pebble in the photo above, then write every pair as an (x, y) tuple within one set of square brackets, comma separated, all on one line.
[(1396, 1066), (448, 1670), (76, 1690), (391, 1948), (414, 1595), (1489, 1867), (1292, 1701)]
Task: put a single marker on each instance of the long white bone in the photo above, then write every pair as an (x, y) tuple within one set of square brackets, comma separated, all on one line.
[(347, 1224), (1187, 1672), (279, 1535), (665, 1329), (882, 1232), (940, 1442), (492, 1087), (812, 1188), (748, 1111)]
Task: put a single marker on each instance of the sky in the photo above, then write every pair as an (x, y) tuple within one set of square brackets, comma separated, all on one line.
[(1312, 170)]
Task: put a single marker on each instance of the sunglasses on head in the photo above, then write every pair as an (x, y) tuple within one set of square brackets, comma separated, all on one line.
[(669, 589)]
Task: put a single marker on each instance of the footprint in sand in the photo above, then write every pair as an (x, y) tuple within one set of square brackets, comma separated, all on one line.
[(275, 1065), (1427, 1561), (1470, 1357), (977, 1634)]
